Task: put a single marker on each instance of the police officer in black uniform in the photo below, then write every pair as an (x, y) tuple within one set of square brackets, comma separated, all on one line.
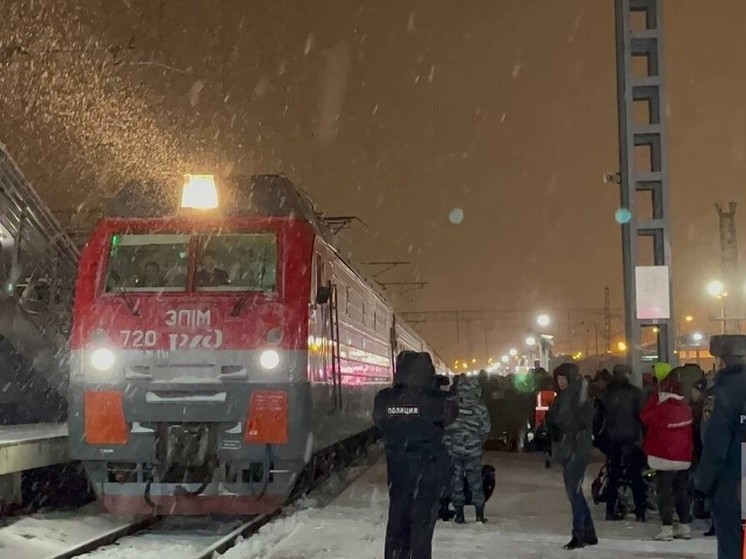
[(411, 417), (719, 472)]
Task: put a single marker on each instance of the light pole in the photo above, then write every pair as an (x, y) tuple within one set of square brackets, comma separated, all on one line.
[(544, 340), (716, 288)]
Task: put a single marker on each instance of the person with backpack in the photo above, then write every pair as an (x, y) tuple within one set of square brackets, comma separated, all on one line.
[(620, 424), (669, 447)]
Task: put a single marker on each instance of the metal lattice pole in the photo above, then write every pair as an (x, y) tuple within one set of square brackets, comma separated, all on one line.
[(643, 175)]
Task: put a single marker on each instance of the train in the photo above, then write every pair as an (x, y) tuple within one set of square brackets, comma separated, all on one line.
[(38, 263), (221, 348)]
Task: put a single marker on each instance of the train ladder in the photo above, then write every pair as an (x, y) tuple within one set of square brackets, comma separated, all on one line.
[(336, 359)]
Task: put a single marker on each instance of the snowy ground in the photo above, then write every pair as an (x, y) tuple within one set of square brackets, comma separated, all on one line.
[(177, 537), (528, 518), (43, 535)]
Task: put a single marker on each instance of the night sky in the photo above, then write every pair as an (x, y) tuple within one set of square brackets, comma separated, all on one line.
[(397, 112)]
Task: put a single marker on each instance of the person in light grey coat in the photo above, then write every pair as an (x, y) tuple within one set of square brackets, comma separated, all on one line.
[(464, 439)]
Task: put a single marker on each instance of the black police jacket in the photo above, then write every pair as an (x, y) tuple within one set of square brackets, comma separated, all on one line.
[(724, 431), (412, 415)]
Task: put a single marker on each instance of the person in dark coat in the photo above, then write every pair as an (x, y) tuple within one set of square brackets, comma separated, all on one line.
[(569, 421), (621, 405), (697, 402), (600, 438), (412, 417), (719, 473), (464, 440)]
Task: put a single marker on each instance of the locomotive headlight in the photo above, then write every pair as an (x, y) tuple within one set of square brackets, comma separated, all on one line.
[(269, 359), (102, 359)]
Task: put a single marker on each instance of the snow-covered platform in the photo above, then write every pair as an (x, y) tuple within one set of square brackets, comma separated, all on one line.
[(25, 447), (528, 514)]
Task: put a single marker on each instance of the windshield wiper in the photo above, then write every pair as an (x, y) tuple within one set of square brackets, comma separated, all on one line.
[(236, 311), (124, 294)]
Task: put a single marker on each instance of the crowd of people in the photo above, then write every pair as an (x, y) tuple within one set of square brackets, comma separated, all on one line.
[(691, 448)]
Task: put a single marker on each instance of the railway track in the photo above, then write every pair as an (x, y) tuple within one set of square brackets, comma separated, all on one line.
[(159, 536)]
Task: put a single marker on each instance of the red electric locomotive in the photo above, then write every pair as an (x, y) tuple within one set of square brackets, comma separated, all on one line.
[(219, 346)]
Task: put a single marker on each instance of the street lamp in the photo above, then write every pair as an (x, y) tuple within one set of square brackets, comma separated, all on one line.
[(505, 359), (513, 352), (697, 337), (689, 318), (543, 320), (716, 288), (530, 341)]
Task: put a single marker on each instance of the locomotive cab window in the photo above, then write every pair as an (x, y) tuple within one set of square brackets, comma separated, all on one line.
[(148, 263), (237, 262)]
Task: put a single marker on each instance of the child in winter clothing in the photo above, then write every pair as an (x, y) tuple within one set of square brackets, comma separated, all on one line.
[(669, 447), (464, 439)]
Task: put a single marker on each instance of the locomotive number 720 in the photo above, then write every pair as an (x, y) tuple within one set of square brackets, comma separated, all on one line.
[(139, 338)]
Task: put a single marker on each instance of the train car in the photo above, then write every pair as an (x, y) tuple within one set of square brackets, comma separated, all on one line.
[(37, 273), (219, 351)]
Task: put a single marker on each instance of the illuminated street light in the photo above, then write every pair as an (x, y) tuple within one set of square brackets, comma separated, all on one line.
[(505, 359), (716, 288), (697, 337), (689, 318), (530, 341), (513, 352), (621, 346), (543, 320)]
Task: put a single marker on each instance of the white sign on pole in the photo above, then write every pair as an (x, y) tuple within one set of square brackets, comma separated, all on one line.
[(653, 292)]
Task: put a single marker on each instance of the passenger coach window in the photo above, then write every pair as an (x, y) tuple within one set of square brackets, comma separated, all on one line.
[(237, 262), (148, 263)]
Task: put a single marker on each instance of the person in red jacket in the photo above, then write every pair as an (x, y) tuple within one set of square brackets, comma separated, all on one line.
[(668, 445)]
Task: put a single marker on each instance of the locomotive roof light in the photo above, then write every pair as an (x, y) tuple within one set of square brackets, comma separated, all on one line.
[(199, 192)]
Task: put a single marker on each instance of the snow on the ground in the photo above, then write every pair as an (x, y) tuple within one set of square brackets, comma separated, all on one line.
[(529, 517), (14, 434), (43, 535), (177, 538)]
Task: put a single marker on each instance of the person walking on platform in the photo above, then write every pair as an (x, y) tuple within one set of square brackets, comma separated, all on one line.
[(719, 472), (411, 417), (621, 405), (569, 421), (464, 440), (668, 445)]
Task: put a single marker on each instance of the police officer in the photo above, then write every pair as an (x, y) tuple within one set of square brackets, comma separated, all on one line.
[(464, 439), (719, 473), (412, 416)]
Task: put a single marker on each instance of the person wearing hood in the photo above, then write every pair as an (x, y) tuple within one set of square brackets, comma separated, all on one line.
[(570, 422), (669, 447), (464, 439), (411, 417), (620, 407), (719, 472)]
